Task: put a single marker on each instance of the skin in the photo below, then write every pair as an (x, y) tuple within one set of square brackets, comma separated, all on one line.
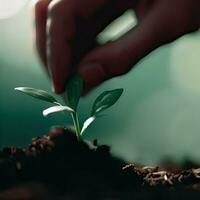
[(66, 32)]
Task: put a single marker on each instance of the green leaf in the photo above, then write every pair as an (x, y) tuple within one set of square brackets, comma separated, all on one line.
[(87, 123), (106, 100), (73, 91), (55, 109), (38, 94)]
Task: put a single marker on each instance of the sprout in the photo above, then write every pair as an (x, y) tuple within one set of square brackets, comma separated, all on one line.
[(71, 98)]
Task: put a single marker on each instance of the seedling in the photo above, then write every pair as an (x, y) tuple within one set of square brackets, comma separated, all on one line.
[(71, 98)]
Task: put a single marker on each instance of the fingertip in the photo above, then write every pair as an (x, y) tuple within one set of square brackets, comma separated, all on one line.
[(40, 17), (58, 89), (92, 74), (84, 93)]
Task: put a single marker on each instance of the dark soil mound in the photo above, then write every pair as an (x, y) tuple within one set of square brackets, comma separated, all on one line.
[(57, 166)]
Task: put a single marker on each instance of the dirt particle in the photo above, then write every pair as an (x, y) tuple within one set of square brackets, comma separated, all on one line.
[(18, 166)]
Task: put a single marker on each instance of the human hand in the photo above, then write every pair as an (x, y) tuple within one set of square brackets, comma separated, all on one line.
[(66, 33)]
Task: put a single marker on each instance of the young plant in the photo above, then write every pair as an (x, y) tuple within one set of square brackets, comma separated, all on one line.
[(71, 98)]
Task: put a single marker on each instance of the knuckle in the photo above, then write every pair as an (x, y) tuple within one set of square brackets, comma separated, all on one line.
[(40, 8), (59, 7), (54, 8), (40, 5), (60, 16)]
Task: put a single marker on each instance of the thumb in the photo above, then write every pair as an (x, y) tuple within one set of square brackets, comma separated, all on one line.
[(118, 57)]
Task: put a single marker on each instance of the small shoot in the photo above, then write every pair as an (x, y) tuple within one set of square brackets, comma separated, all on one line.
[(71, 98)]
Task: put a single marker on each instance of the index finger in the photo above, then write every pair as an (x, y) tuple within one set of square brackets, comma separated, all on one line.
[(41, 7), (60, 30)]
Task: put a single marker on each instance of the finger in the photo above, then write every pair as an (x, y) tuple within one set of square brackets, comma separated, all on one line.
[(40, 27), (61, 34), (60, 31), (118, 57), (87, 28)]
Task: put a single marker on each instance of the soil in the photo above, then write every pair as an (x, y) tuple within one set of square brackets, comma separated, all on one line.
[(58, 166)]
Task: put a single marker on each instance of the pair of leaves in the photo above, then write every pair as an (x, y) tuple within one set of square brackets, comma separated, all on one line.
[(102, 102), (44, 96)]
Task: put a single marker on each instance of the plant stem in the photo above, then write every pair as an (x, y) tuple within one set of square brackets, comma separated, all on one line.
[(76, 125), (74, 117)]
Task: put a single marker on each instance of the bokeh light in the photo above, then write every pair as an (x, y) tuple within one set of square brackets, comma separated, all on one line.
[(185, 65), (8, 8), (118, 27)]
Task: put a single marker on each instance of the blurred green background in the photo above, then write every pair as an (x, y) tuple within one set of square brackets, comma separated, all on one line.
[(158, 115)]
